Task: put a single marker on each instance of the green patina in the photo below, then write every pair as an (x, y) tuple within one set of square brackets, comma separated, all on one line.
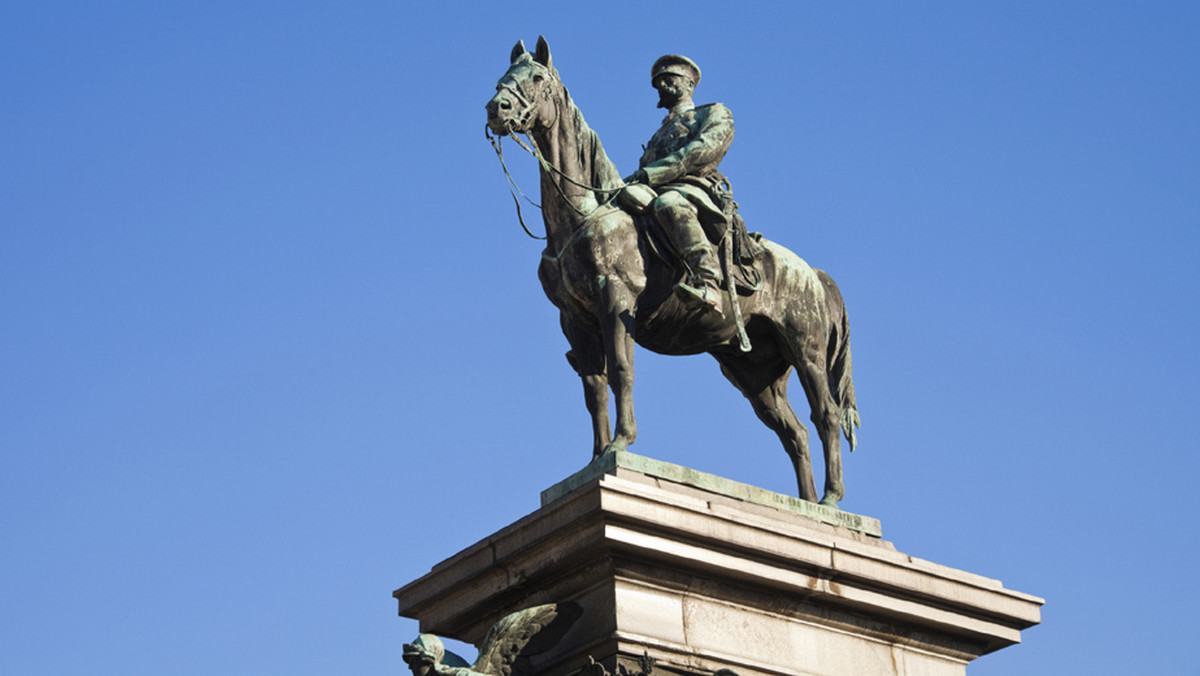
[(667, 263), (610, 463)]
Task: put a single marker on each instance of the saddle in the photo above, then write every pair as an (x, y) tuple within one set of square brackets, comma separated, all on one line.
[(725, 230)]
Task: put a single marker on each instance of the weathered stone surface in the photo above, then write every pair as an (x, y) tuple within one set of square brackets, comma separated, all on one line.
[(619, 463), (701, 580)]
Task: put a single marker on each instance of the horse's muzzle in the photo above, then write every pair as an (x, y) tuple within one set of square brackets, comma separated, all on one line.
[(501, 114)]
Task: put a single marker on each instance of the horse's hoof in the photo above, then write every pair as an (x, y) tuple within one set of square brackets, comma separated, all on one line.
[(614, 447), (829, 501)]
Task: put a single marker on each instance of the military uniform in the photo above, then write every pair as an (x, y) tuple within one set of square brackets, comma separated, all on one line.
[(683, 156), (680, 163)]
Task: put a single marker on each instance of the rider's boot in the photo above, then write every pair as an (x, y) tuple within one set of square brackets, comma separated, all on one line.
[(702, 287), (679, 218)]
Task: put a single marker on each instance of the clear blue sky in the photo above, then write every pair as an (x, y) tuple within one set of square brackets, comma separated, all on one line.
[(272, 342)]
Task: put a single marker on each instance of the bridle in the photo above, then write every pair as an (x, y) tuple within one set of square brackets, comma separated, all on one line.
[(528, 105)]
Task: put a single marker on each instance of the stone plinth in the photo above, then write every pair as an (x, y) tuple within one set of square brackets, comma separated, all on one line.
[(702, 573)]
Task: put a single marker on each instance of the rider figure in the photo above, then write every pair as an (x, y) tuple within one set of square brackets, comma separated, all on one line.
[(680, 164)]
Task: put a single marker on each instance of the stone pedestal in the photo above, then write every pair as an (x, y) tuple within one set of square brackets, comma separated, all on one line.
[(701, 573)]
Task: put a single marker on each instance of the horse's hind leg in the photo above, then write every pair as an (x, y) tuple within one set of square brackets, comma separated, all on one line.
[(765, 385), (826, 417)]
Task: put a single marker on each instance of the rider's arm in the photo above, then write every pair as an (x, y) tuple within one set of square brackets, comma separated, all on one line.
[(702, 154)]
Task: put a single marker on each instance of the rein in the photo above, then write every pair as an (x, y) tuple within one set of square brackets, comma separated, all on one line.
[(550, 168), (514, 189), (555, 170)]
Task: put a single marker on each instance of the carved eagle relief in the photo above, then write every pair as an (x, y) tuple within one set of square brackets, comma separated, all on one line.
[(506, 649)]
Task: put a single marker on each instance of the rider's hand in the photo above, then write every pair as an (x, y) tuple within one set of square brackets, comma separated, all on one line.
[(635, 197), (638, 176)]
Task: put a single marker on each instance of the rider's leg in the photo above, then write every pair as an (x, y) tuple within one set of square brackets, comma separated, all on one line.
[(679, 218)]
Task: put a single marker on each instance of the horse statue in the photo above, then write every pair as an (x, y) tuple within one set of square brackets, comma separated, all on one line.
[(612, 290)]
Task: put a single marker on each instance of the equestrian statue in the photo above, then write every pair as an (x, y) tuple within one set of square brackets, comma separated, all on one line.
[(662, 258)]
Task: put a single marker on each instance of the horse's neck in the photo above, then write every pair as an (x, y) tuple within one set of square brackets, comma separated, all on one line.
[(573, 149)]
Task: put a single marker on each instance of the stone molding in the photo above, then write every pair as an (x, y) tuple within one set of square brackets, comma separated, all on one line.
[(614, 463), (700, 580)]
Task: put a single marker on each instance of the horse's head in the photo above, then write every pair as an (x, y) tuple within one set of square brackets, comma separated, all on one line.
[(525, 96)]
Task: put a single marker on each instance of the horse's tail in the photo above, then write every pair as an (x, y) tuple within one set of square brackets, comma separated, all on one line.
[(841, 379)]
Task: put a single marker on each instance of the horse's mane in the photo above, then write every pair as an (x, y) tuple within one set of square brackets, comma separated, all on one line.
[(602, 173)]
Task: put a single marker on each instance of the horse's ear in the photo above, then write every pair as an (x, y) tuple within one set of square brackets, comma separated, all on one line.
[(542, 55), (518, 50)]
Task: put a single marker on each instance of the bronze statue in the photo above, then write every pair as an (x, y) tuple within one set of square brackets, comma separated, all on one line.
[(613, 284), (506, 649)]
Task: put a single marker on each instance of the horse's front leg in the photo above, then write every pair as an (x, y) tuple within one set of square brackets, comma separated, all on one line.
[(617, 329), (595, 395), (587, 358)]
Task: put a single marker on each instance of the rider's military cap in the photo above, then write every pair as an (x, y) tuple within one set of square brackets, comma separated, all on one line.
[(675, 64)]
